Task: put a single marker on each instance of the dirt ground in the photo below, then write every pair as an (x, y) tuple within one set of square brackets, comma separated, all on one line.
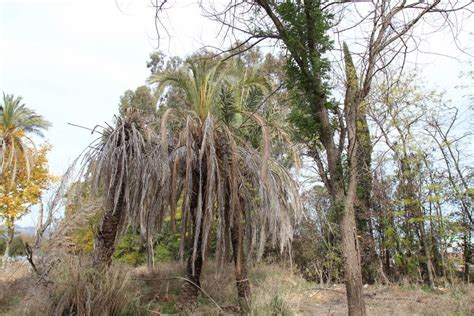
[(392, 300)]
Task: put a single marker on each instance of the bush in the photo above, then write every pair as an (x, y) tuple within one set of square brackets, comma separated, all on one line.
[(16, 248), (128, 250)]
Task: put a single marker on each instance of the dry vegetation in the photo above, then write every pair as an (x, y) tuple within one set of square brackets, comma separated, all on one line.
[(134, 291)]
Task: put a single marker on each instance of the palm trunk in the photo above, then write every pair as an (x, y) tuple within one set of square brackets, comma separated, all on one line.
[(104, 244), (10, 236), (190, 288), (240, 262), (187, 300)]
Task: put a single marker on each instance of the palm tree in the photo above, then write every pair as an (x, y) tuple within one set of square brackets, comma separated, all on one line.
[(17, 149), (144, 167), (17, 123), (220, 166)]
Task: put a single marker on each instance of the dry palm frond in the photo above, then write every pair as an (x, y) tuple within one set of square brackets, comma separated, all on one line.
[(227, 171), (203, 166), (143, 168)]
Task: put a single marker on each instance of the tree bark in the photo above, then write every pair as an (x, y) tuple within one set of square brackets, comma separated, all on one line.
[(467, 253), (351, 253), (104, 244), (187, 300), (240, 262)]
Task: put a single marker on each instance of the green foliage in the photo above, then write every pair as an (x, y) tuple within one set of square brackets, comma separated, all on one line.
[(16, 248), (128, 250), (167, 247), (142, 98), (306, 38)]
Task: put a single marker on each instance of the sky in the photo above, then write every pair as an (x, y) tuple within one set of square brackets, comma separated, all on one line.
[(71, 60)]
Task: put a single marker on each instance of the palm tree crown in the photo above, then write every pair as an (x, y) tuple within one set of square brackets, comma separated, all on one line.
[(17, 122)]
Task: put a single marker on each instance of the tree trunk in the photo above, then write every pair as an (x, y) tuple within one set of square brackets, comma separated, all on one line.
[(351, 253), (467, 253), (10, 236), (240, 262), (425, 252), (190, 289), (150, 254), (346, 196), (187, 300), (104, 244)]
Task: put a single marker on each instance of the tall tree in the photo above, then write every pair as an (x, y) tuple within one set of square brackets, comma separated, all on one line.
[(142, 98), (225, 164)]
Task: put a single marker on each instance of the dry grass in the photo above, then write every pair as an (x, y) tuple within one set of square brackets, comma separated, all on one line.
[(74, 288), (15, 281), (275, 291)]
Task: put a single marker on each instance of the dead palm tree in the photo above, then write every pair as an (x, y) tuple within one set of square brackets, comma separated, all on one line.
[(143, 167)]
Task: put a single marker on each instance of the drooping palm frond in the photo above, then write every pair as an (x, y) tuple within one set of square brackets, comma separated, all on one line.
[(143, 169), (223, 170)]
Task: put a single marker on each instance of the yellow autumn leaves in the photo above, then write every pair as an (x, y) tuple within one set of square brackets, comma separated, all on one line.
[(16, 197)]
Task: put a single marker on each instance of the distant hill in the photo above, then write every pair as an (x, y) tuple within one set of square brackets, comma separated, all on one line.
[(27, 230)]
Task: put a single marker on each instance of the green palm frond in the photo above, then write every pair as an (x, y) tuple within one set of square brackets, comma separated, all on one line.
[(17, 122)]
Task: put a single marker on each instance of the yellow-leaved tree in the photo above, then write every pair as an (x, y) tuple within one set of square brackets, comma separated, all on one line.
[(17, 198)]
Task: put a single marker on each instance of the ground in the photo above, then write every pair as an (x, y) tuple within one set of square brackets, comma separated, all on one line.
[(275, 292)]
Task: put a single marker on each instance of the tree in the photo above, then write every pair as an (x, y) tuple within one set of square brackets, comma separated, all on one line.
[(16, 123), (17, 198), (420, 205), (223, 158), (17, 158), (142, 98)]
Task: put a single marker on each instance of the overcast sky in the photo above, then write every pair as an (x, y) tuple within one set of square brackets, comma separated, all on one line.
[(71, 60)]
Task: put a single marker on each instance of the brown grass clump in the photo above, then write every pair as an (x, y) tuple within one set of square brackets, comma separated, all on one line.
[(75, 288), (161, 284), (276, 291)]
